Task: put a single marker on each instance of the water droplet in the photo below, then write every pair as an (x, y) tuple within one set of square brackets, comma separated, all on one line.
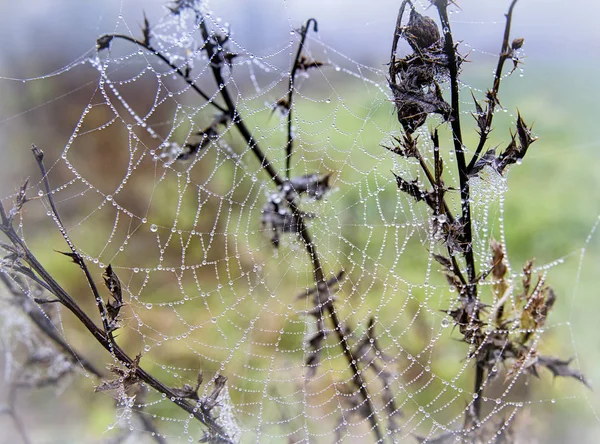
[(153, 228), (445, 323), (149, 306)]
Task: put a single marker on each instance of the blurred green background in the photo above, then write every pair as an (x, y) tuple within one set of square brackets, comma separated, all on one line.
[(550, 211)]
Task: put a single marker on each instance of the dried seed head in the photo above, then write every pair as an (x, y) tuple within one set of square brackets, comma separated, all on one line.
[(517, 43), (421, 31)]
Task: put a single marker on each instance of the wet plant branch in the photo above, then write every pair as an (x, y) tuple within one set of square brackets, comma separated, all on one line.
[(290, 98), (100, 335), (212, 51), (74, 255), (506, 52), (455, 123), (230, 108)]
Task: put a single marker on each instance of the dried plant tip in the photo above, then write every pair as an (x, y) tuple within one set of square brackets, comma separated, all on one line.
[(126, 377), (517, 43), (146, 31), (499, 268), (304, 64), (114, 305), (560, 367), (406, 146), (412, 188), (212, 399), (103, 42), (421, 31), (313, 185), (20, 200), (75, 257)]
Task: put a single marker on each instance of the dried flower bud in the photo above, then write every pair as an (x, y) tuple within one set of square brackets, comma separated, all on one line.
[(517, 43), (421, 31)]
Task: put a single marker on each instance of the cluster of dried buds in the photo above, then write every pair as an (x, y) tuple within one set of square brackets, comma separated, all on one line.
[(414, 79), (280, 214)]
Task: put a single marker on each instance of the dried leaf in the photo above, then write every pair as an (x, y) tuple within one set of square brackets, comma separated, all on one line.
[(514, 152), (489, 158), (187, 392), (560, 367), (499, 268), (114, 305), (126, 377), (443, 261), (211, 400), (146, 31), (421, 31), (75, 257), (406, 146), (411, 188), (20, 200), (304, 64)]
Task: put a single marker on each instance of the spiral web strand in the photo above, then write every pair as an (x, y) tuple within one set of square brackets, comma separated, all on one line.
[(203, 284)]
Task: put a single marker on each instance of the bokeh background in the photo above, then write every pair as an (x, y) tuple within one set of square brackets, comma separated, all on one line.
[(551, 207)]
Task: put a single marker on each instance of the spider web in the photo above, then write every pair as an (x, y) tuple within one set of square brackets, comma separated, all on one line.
[(212, 284)]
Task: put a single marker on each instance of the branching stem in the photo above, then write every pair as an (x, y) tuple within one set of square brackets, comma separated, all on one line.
[(505, 54)]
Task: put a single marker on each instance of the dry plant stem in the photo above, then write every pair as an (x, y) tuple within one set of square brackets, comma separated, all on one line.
[(458, 144), (156, 53), (493, 93), (100, 336), (436, 183), (229, 110), (321, 283), (397, 38), (319, 276), (39, 157), (288, 148), (35, 315)]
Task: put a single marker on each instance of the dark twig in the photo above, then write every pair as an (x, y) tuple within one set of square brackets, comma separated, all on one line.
[(289, 103), (505, 54), (178, 71), (450, 52), (231, 108), (39, 157), (198, 412), (321, 282)]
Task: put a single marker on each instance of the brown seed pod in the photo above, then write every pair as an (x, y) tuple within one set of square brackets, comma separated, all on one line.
[(421, 32)]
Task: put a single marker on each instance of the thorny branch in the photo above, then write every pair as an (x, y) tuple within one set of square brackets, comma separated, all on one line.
[(416, 95), (506, 52), (101, 335)]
